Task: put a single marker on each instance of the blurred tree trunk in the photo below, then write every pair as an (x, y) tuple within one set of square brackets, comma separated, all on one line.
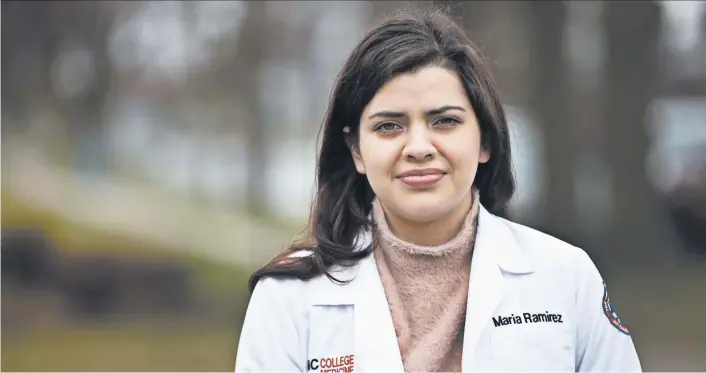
[(637, 235), (383, 9), (473, 15), (28, 42), (702, 51), (549, 98), (236, 76), (88, 26), (249, 58)]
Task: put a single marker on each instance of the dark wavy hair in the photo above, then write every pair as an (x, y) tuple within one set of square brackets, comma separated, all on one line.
[(404, 42)]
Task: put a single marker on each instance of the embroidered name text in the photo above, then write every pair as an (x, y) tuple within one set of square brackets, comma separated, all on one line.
[(528, 318)]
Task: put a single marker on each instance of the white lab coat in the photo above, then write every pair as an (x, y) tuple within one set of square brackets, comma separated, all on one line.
[(517, 273)]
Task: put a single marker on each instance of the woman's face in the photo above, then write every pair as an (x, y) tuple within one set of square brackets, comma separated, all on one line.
[(420, 145)]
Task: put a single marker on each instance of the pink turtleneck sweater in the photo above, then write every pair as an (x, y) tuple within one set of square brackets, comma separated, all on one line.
[(427, 291)]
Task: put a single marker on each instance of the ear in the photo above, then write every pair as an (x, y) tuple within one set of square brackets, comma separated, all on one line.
[(484, 155), (359, 165), (353, 147)]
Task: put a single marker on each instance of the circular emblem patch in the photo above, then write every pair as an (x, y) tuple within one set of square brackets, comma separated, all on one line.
[(610, 313)]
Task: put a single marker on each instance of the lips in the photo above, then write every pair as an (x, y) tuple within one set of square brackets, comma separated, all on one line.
[(421, 177)]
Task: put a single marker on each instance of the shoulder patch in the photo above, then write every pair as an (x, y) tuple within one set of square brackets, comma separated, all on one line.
[(609, 312)]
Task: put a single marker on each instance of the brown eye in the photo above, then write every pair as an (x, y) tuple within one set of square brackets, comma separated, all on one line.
[(447, 121), (387, 127)]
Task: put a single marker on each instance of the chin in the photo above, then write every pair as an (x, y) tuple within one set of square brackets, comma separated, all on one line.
[(424, 208)]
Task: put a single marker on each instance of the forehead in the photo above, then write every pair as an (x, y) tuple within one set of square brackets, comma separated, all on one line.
[(421, 90)]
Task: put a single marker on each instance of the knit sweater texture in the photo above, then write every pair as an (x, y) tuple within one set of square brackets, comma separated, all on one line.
[(427, 291)]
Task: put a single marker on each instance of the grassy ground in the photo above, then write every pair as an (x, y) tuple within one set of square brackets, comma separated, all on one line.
[(126, 348), (197, 345), (667, 326)]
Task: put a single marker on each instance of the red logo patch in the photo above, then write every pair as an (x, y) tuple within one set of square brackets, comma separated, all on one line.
[(609, 312), (338, 364)]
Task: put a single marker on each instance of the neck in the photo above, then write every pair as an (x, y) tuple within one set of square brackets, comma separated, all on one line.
[(432, 233)]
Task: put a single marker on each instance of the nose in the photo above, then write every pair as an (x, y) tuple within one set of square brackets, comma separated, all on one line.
[(419, 146)]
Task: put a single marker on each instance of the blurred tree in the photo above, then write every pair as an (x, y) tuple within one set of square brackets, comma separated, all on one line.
[(27, 43), (702, 31), (549, 99), (701, 54), (685, 70), (253, 39), (57, 51), (382, 9), (637, 234), (496, 28), (84, 28), (237, 74), (702, 49), (471, 14)]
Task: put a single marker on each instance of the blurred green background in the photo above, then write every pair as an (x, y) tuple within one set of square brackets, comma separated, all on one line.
[(155, 153)]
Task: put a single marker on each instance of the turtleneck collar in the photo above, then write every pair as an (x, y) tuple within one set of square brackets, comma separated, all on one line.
[(461, 240)]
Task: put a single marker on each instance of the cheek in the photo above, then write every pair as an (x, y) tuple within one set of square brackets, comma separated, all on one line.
[(463, 157), (379, 157), (460, 149)]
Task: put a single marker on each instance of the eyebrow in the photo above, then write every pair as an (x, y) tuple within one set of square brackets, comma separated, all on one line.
[(395, 114)]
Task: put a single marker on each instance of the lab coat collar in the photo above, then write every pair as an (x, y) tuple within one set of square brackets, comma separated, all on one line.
[(495, 236)]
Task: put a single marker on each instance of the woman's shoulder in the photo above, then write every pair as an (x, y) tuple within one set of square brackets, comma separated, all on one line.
[(547, 249), (564, 266), (282, 290), (295, 291)]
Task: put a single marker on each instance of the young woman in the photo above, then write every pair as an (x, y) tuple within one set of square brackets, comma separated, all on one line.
[(407, 268)]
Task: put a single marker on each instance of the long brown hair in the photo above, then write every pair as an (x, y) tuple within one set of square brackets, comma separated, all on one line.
[(407, 41)]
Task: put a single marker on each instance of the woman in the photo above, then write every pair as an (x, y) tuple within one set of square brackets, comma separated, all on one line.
[(407, 268)]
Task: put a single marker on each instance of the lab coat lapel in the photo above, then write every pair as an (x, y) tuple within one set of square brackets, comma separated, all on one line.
[(484, 291), (376, 345), (495, 251)]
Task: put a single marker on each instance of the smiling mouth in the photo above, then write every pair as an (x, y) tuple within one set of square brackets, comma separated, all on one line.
[(421, 178)]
